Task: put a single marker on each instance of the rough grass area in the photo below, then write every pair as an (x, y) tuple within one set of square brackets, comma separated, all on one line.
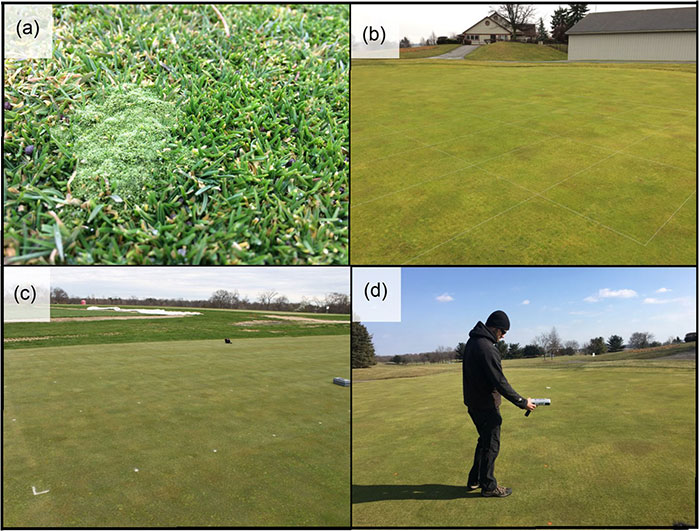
[(614, 438), (257, 168), (212, 324), (248, 434), (421, 52), (554, 164), (516, 51)]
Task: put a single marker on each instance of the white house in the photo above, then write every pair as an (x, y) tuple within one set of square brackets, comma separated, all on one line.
[(495, 28), (644, 35)]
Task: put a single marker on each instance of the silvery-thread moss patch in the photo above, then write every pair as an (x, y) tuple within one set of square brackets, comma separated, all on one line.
[(123, 145), (257, 167)]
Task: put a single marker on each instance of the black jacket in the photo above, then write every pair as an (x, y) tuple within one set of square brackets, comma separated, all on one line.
[(483, 381)]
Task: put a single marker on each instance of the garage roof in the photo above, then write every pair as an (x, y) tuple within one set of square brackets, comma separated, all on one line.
[(676, 19)]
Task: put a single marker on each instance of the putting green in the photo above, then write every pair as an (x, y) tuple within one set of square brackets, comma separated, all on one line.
[(617, 447), (456, 163), (248, 434)]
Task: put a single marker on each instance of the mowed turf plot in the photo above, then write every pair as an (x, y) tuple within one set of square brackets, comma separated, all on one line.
[(617, 447), (168, 433), (455, 162)]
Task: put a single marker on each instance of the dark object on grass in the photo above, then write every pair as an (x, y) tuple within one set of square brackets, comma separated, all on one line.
[(539, 402), (29, 149), (8, 106), (227, 340), (289, 163), (691, 336), (341, 381)]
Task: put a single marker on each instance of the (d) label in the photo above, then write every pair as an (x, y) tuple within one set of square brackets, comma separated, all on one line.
[(376, 294)]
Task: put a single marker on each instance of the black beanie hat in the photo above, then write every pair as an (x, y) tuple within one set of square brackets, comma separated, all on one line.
[(498, 319)]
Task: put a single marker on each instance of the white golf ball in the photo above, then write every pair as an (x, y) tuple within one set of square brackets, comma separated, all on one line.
[(136, 469), (214, 451)]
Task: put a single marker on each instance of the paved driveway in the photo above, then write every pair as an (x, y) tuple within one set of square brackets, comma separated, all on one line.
[(457, 53)]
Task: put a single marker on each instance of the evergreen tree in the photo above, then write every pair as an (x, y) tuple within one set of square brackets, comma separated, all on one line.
[(459, 349), (560, 24), (541, 31), (576, 12), (615, 343), (361, 347)]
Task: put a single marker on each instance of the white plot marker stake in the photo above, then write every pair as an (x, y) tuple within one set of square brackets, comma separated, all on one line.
[(37, 493)]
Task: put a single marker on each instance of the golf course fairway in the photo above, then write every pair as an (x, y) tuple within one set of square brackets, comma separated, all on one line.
[(617, 446), (177, 433)]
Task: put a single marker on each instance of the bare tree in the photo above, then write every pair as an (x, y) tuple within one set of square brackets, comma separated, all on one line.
[(515, 15), (641, 340), (266, 298), (58, 295), (550, 342)]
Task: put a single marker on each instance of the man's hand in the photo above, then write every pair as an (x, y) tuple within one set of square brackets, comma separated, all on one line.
[(530, 406)]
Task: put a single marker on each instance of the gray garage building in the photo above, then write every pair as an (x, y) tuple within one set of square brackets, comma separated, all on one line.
[(645, 35)]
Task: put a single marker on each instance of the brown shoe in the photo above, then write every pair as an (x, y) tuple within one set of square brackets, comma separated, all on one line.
[(498, 492)]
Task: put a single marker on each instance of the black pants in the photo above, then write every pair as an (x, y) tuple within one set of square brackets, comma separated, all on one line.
[(488, 424)]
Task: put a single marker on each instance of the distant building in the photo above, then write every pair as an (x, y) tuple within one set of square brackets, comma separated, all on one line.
[(645, 35), (495, 28)]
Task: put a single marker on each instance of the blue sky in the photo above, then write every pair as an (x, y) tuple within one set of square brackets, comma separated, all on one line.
[(441, 305)]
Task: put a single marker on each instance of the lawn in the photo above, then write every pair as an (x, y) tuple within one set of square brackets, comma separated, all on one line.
[(179, 433), (516, 51), (188, 134), (212, 324), (617, 447), (421, 52), (523, 163)]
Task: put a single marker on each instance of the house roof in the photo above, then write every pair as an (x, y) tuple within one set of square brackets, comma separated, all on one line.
[(488, 17), (676, 19)]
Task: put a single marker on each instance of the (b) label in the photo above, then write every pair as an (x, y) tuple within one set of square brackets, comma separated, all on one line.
[(26, 294), (376, 294), (373, 33)]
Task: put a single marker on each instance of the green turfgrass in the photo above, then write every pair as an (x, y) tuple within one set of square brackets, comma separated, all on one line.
[(78, 420), (549, 164), (516, 51), (426, 51), (615, 448), (212, 324), (261, 141)]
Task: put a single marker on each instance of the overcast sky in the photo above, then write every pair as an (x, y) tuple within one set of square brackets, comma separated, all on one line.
[(418, 21), (440, 306), (200, 282)]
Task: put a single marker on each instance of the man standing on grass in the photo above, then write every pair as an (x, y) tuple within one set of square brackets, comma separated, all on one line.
[(484, 383)]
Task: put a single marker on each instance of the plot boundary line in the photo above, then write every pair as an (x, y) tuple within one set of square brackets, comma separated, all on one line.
[(539, 194), (669, 219), (467, 230)]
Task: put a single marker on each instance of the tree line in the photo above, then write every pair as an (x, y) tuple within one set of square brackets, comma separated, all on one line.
[(267, 300), (546, 345)]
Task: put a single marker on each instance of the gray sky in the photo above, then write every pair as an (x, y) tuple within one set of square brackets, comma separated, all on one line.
[(200, 282), (420, 20)]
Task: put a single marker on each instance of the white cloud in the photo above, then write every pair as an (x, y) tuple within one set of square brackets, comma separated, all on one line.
[(662, 290), (526, 302), (606, 293), (445, 297)]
